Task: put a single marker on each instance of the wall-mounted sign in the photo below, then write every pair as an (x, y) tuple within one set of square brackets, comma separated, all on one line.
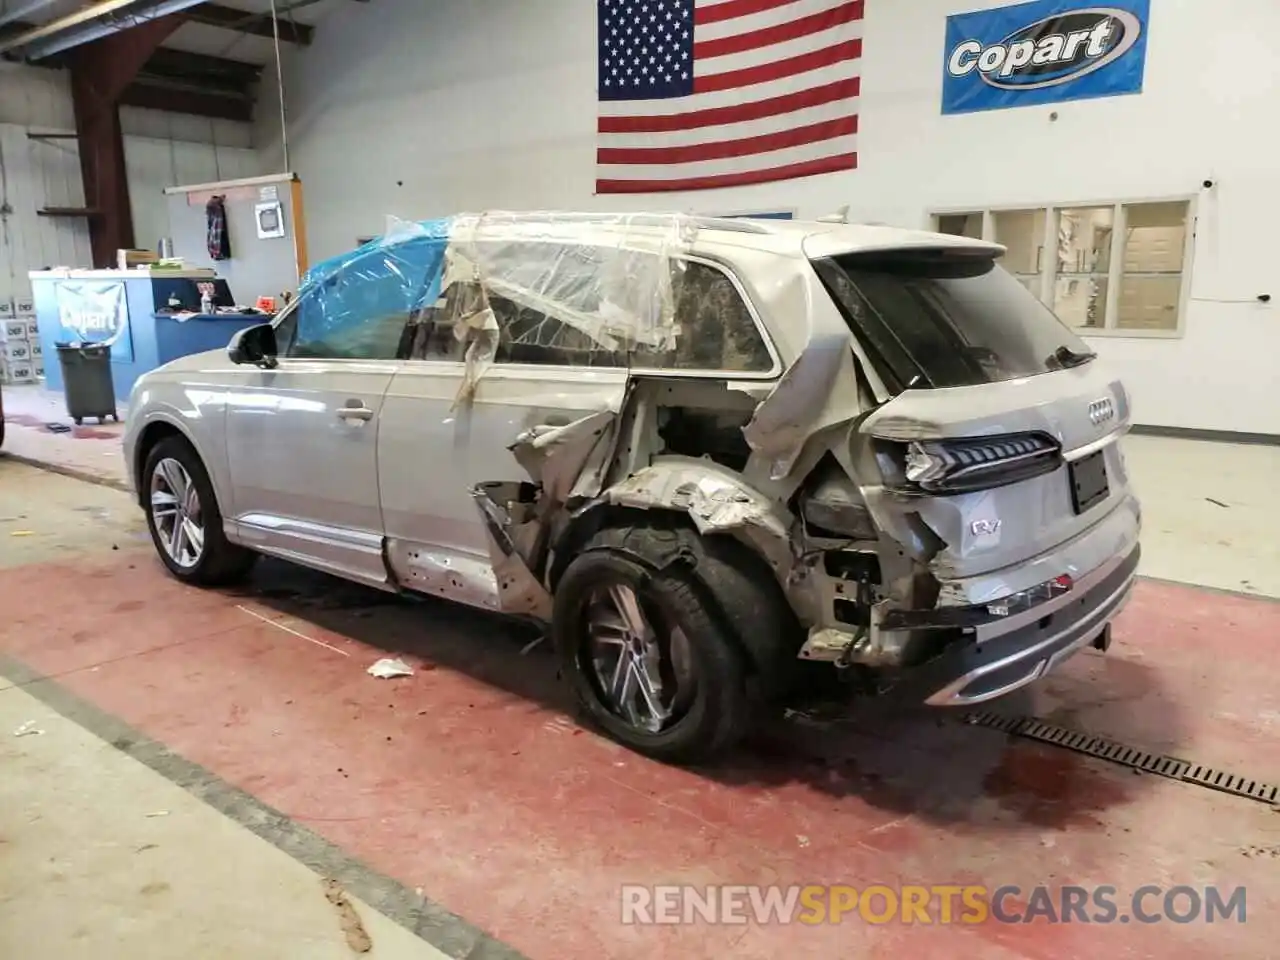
[(95, 312), (270, 217), (1048, 51)]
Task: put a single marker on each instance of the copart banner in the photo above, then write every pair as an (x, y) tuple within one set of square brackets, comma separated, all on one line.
[(96, 312), (1049, 51)]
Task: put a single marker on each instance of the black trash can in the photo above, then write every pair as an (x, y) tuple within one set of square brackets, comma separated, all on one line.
[(86, 380)]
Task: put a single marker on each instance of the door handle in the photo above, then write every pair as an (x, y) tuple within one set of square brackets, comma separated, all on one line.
[(355, 413)]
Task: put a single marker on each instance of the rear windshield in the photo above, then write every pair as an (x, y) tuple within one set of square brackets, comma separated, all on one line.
[(941, 318)]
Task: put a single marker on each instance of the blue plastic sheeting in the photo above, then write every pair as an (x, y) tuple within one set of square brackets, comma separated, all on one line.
[(392, 276)]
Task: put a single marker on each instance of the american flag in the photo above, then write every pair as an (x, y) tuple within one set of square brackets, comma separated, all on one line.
[(696, 94)]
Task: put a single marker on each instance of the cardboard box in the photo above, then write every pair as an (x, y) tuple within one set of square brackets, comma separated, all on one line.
[(33, 331), (16, 351), (13, 330), (37, 351), (6, 309), (128, 259), (20, 372), (25, 308)]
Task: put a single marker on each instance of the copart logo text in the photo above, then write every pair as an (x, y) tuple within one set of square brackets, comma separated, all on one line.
[(1051, 51)]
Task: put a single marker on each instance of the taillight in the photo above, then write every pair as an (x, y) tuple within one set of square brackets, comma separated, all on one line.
[(964, 465)]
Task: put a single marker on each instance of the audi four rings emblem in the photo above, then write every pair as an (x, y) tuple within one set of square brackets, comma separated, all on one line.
[(1100, 411)]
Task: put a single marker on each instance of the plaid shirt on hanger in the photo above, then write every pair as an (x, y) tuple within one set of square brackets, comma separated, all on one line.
[(219, 242)]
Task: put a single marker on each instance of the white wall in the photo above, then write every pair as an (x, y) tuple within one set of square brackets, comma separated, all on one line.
[(427, 109), (161, 150)]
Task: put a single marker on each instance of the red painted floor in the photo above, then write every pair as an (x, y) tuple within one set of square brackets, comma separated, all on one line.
[(468, 780)]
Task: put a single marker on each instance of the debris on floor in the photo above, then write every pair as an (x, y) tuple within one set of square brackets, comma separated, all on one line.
[(357, 937), (157, 813), (55, 427), (28, 729), (1271, 852), (22, 533), (387, 668)]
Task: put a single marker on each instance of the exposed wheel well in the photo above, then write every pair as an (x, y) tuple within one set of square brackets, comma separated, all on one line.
[(152, 434)]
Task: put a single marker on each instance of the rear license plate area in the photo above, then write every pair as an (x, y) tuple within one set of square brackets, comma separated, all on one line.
[(1089, 485)]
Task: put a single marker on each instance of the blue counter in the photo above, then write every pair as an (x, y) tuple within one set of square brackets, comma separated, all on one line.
[(127, 308)]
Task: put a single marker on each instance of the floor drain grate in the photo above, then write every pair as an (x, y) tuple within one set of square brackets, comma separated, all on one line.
[(1127, 756)]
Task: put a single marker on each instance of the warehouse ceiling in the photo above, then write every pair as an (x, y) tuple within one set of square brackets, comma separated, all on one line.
[(208, 66)]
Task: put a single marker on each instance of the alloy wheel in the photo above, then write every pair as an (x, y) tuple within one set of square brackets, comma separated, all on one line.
[(643, 674), (176, 513)]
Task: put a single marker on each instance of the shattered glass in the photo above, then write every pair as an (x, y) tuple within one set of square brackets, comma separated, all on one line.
[(546, 288)]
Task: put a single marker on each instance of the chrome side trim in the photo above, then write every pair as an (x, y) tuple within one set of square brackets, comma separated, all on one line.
[(256, 526), (952, 694)]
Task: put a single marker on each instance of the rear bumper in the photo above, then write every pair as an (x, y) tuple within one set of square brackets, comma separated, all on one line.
[(973, 671)]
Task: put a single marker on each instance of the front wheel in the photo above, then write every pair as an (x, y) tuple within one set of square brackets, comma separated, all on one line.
[(184, 519), (649, 657)]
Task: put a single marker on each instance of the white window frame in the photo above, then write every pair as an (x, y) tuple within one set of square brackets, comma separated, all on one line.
[(1049, 266)]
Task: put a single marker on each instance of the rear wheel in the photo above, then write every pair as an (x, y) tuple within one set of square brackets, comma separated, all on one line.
[(649, 656), (184, 519)]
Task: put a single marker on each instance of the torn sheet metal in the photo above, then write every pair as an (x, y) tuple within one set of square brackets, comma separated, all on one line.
[(514, 536), (818, 391), (716, 500), (556, 457)]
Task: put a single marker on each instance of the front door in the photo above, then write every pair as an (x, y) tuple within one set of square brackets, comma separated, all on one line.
[(302, 438), (302, 453)]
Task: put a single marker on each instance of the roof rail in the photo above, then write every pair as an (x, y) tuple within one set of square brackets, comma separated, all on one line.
[(733, 224), (645, 218)]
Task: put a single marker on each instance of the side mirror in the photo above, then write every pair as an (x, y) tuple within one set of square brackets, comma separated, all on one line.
[(256, 345)]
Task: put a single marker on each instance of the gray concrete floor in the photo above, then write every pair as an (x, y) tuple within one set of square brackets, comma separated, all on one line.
[(103, 858)]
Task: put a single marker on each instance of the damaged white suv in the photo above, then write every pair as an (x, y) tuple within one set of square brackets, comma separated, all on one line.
[(704, 451)]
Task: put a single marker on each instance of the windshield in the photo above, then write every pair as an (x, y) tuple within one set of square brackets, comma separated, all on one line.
[(947, 318)]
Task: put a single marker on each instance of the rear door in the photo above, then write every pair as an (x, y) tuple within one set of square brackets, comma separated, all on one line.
[(435, 448), (1001, 413)]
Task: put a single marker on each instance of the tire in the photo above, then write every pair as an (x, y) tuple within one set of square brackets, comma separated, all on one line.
[(219, 562), (659, 565)]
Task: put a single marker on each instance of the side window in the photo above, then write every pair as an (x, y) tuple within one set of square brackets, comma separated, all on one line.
[(287, 329), (715, 332), (531, 336), (358, 313), (429, 334)]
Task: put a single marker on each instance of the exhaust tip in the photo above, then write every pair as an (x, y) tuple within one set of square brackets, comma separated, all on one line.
[(1103, 640)]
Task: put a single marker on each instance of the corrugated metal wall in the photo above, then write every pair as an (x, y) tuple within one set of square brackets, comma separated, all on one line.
[(161, 150)]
